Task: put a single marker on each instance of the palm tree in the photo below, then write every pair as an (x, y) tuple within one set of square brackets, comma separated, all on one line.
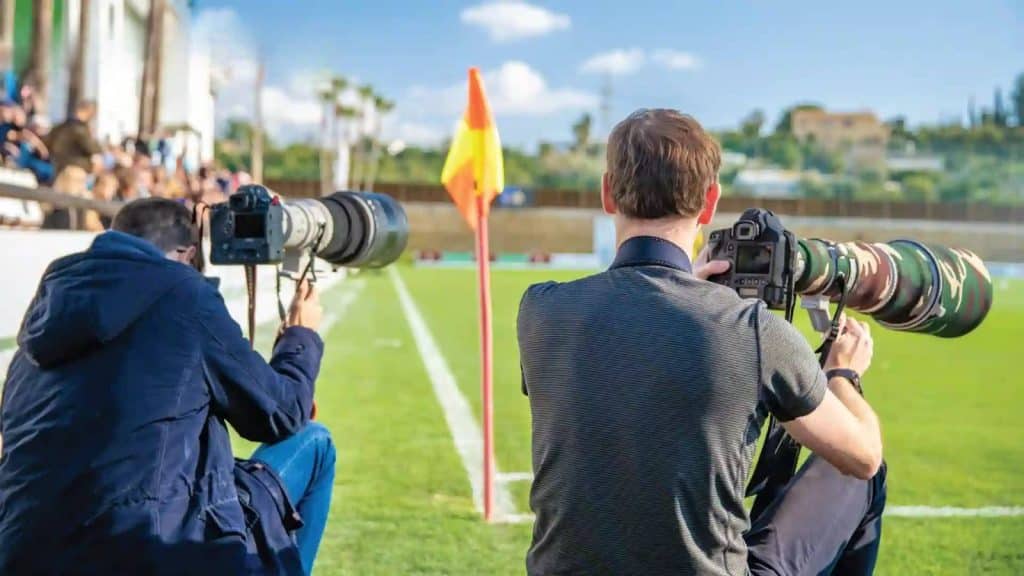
[(366, 99), (328, 139), (344, 116), (581, 132), (327, 98), (382, 106)]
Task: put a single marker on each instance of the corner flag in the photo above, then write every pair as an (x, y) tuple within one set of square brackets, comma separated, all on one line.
[(473, 175), (474, 164)]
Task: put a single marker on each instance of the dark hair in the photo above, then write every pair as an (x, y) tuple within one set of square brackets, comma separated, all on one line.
[(163, 222), (661, 163)]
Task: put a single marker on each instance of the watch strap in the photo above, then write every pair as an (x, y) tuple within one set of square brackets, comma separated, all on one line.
[(848, 374)]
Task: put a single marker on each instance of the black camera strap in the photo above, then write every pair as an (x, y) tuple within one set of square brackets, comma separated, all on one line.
[(833, 332), (777, 462), (780, 453)]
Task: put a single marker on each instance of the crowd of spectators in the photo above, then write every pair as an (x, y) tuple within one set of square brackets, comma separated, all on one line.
[(69, 158)]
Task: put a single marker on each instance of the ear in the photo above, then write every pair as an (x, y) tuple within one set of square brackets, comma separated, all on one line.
[(710, 203), (607, 201)]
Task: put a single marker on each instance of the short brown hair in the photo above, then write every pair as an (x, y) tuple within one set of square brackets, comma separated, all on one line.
[(661, 163), (165, 223)]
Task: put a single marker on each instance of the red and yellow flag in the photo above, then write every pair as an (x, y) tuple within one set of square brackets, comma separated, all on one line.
[(474, 166)]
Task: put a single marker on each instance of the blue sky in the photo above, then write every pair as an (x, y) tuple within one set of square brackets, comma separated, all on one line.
[(546, 61)]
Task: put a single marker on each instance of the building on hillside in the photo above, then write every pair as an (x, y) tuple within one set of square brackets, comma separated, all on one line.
[(732, 159), (859, 136), (768, 182), (915, 163), (114, 65)]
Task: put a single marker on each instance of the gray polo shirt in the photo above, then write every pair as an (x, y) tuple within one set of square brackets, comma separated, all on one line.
[(648, 390)]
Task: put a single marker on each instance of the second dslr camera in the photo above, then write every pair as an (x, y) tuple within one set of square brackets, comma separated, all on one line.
[(762, 256)]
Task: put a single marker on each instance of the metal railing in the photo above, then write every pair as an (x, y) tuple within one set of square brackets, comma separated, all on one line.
[(58, 199)]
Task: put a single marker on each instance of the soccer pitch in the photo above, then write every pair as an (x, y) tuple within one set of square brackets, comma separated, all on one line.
[(403, 503)]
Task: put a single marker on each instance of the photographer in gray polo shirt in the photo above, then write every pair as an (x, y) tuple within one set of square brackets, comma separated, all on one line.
[(649, 386)]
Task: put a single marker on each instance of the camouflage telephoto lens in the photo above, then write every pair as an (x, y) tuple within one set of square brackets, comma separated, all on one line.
[(903, 284)]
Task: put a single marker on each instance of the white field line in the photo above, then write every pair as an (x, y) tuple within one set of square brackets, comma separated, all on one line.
[(895, 511), (514, 477), (953, 512), (336, 300), (461, 423), (337, 309), (890, 512)]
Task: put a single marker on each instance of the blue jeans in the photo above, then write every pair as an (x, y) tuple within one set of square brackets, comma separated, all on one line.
[(305, 464)]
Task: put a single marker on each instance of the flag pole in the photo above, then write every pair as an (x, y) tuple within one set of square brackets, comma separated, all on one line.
[(483, 260)]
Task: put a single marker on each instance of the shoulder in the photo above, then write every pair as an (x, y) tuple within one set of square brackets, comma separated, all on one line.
[(542, 293), (203, 290)]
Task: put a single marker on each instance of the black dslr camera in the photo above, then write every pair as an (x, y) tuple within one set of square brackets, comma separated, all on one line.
[(354, 229), (247, 229), (762, 256)]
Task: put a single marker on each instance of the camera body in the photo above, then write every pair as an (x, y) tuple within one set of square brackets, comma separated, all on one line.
[(761, 253), (248, 228)]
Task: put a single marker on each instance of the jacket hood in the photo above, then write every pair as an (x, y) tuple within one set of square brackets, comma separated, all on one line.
[(87, 299)]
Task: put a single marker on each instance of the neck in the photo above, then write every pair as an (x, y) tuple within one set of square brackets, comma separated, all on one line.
[(680, 231)]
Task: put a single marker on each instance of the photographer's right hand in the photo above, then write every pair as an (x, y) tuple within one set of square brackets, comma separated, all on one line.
[(305, 309), (853, 348)]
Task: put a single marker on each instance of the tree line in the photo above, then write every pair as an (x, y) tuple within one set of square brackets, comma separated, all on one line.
[(983, 158)]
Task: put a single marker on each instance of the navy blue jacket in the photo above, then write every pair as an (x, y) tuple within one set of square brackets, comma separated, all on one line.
[(115, 457)]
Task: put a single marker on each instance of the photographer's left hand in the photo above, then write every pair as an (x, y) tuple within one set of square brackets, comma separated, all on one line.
[(703, 268)]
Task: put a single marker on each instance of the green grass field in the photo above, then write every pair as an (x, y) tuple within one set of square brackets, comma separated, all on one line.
[(402, 503)]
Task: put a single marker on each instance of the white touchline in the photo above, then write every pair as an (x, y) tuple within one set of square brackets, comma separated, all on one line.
[(338, 309), (515, 477), (336, 300), (953, 512), (896, 511), (461, 423)]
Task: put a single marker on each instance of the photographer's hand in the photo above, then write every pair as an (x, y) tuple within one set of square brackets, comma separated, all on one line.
[(853, 348), (703, 268), (305, 309)]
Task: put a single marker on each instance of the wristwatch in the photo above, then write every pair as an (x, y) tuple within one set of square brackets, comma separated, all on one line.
[(848, 374)]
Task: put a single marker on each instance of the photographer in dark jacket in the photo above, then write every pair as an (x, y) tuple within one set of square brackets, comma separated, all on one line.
[(116, 458)]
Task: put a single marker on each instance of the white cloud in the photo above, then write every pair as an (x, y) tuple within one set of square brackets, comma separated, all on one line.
[(415, 133), (513, 89), (516, 89), (676, 60), (282, 107), (615, 62), (512, 20), (231, 61)]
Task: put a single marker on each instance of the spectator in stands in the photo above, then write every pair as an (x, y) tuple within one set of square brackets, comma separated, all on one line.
[(127, 184), (73, 182), (105, 189), (72, 143), (28, 98), (33, 154)]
